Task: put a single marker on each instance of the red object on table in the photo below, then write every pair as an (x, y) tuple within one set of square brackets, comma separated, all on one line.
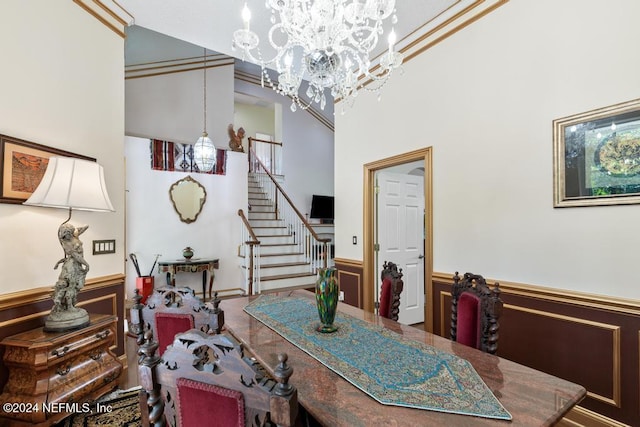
[(145, 286)]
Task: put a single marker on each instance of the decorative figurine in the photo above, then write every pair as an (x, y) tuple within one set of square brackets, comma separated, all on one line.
[(235, 141), (64, 314)]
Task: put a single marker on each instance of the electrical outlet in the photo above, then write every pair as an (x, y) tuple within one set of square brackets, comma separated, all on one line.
[(341, 296)]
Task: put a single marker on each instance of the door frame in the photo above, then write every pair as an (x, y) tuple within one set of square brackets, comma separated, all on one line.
[(368, 267)]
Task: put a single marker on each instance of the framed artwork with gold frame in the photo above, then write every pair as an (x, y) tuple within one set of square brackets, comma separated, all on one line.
[(596, 157), (22, 165)]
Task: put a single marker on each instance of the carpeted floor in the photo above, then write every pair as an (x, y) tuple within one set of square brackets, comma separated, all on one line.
[(119, 408)]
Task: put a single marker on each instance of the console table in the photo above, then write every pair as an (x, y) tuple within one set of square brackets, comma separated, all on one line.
[(51, 371), (193, 265)]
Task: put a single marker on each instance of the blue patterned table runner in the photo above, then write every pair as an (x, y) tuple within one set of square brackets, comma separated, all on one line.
[(388, 367)]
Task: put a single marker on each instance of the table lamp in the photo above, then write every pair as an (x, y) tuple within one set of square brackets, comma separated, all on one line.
[(70, 183)]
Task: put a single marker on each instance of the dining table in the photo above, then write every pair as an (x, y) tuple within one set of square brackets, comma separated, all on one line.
[(531, 397)]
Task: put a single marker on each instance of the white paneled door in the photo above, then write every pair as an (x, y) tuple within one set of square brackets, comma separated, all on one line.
[(401, 237)]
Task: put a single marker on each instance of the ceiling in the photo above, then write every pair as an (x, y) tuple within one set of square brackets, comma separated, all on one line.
[(181, 29)]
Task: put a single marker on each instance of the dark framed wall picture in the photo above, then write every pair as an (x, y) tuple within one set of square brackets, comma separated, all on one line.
[(596, 157), (22, 165)]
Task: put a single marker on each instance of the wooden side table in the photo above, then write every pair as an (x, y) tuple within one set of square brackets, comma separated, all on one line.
[(53, 372), (193, 265)]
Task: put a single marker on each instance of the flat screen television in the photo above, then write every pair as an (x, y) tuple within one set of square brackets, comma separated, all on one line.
[(322, 208)]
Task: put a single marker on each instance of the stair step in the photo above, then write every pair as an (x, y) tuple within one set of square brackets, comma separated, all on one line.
[(294, 257), (261, 215), (261, 223), (284, 268), (278, 248), (275, 254), (262, 208), (283, 264), (280, 258), (260, 202), (284, 239), (271, 231), (286, 276)]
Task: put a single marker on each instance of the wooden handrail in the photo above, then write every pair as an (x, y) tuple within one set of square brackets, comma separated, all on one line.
[(272, 147), (304, 221), (252, 243), (254, 240), (263, 140)]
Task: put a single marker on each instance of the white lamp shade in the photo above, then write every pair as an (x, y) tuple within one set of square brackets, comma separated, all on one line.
[(72, 183)]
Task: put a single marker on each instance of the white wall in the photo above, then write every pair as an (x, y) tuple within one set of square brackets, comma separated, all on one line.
[(484, 99), (171, 106), (62, 85), (153, 226)]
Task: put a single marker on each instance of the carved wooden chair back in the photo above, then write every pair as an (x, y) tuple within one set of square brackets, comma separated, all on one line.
[(171, 310), (390, 291), (475, 310), (207, 380)]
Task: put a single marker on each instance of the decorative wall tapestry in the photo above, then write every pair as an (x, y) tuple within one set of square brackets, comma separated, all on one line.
[(173, 156)]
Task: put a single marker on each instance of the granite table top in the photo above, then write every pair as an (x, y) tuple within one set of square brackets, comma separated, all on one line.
[(533, 398)]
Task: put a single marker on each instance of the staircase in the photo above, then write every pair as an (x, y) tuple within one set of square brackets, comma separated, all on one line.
[(282, 262)]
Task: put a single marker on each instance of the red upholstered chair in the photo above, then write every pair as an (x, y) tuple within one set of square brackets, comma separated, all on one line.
[(206, 380), (475, 310), (390, 291), (170, 324), (171, 310), (196, 404)]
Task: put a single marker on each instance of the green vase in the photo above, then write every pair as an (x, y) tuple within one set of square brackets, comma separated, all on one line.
[(327, 291)]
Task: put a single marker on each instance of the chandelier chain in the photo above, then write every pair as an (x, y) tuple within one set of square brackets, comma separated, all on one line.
[(205, 90)]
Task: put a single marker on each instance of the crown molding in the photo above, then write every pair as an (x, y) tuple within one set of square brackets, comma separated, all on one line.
[(109, 13), (250, 78)]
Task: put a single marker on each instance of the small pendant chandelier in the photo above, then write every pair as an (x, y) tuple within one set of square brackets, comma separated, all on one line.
[(204, 152)]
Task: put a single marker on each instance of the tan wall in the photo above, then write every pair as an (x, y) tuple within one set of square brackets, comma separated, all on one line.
[(62, 86), (484, 98), (254, 119)]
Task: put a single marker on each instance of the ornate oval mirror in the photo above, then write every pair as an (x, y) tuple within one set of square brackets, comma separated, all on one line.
[(188, 197)]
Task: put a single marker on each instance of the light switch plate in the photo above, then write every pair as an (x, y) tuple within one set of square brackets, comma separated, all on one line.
[(101, 247)]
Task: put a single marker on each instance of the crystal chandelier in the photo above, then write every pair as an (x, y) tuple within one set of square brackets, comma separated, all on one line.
[(204, 152), (327, 43)]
